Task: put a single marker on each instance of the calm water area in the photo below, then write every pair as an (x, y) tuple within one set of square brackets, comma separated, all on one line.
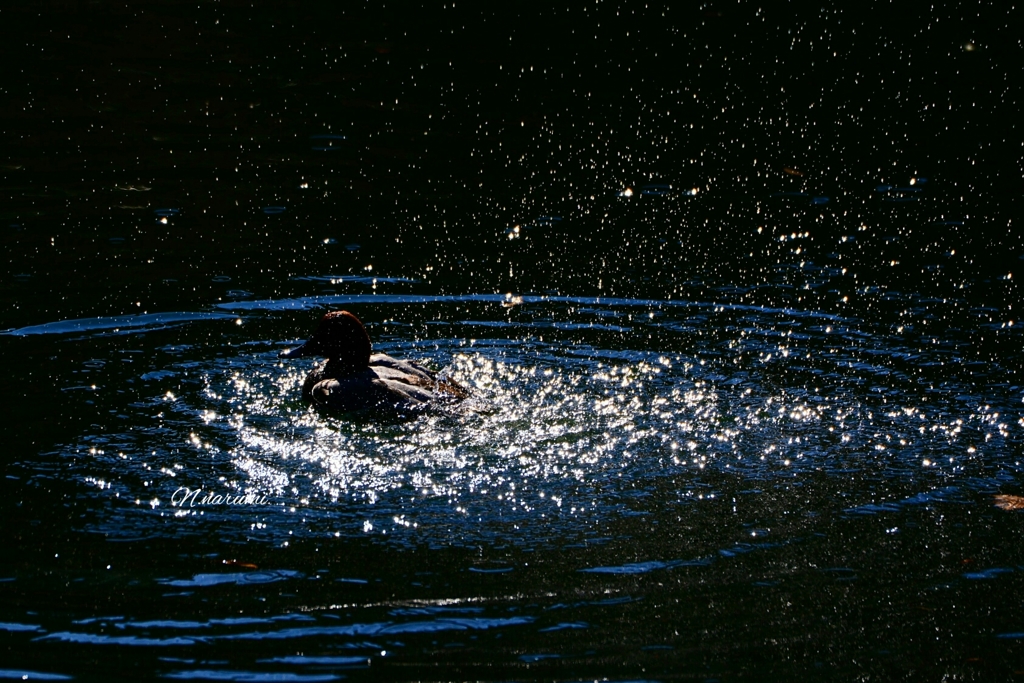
[(735, 287)]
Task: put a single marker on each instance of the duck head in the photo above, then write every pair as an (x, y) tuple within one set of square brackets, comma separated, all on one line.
[(341, 338)]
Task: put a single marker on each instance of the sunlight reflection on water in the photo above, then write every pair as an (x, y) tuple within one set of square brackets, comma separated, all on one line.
[(562, 435)]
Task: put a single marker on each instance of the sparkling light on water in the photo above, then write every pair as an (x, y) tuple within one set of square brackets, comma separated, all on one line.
[(561, 437)]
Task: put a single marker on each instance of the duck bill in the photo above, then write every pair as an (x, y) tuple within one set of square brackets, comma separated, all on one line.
[(297, 352)]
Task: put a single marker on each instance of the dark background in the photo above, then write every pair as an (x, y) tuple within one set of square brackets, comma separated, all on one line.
[(173, 158), (460, 123)]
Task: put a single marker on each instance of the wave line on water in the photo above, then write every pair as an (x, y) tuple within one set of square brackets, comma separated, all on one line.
[(117, 322)]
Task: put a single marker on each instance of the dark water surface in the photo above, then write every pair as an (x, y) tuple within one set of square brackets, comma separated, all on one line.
[(735, 289)]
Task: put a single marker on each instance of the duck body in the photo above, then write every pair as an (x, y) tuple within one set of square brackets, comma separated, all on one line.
[(386, 383), (354, 379)]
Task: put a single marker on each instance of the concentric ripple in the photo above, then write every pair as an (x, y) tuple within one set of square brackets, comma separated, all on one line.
[(574, 423)]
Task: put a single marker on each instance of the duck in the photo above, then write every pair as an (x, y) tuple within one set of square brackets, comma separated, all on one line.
[(353, 378)]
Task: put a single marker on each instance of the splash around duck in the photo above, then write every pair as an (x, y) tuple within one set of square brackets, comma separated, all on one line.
[(353, 378)]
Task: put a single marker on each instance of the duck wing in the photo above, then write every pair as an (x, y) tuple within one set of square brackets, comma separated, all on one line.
[(395, 368), (412, 373)]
